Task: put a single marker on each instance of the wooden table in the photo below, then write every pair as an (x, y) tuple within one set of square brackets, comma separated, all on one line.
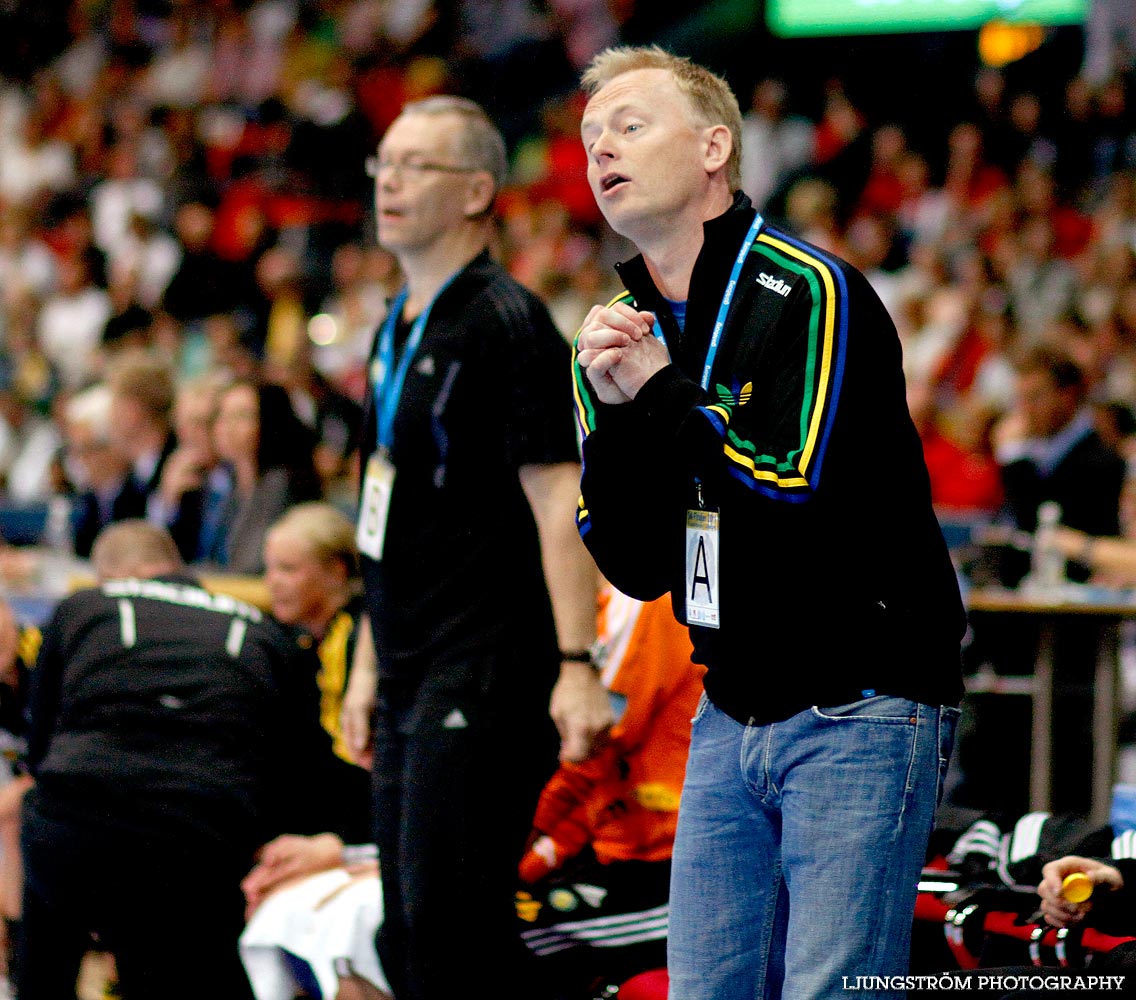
[(1109, 608)]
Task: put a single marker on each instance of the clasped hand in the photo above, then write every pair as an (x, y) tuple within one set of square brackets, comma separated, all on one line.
[(617, 350)]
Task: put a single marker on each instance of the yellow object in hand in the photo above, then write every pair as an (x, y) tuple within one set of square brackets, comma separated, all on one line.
[(1076, 887)]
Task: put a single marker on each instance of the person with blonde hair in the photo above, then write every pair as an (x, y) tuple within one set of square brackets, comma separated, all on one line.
[(314, 588), (748, 449)]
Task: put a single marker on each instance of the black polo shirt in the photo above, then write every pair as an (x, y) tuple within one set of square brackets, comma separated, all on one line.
[(489, 391)]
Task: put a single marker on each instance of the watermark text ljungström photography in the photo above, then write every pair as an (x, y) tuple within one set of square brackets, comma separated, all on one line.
[(992, 982)]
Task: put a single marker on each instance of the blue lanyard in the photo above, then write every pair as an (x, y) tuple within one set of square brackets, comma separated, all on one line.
[(389, 379), (724, 308)]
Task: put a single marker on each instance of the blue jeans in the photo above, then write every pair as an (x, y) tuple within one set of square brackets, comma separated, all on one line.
[(799, 849)]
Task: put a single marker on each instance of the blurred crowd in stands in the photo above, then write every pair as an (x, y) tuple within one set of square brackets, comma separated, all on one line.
[(184, 180)]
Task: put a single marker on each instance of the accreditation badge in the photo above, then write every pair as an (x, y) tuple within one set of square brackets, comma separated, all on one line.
[(703, 602), (378, 481)]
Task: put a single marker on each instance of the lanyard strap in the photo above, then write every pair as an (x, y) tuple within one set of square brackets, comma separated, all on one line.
[(389, 378), (724, 308)]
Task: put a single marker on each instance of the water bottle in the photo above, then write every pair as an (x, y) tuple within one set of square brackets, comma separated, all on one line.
[(1047, 564), (57, 536), (59, 542)]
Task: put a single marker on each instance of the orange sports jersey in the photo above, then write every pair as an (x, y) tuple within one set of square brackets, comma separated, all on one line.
[(624, 802)]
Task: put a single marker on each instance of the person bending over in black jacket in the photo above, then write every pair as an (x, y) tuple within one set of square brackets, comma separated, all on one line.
[(172, 731)]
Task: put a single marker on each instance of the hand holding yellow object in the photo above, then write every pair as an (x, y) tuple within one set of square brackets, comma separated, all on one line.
[(1076, 887)]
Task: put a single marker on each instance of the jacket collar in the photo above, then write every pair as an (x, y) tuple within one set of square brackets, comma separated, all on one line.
[(721, 237)]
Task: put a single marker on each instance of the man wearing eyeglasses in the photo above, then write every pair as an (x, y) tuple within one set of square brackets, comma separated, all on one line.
[(481, 600)]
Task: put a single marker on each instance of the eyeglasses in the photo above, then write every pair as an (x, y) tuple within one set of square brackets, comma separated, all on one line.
[(412, 167)]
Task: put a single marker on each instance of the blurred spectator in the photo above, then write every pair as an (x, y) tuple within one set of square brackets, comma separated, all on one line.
[(80, 63), (142, 399), (1024, 137), (1072, 132), (923, 211), (23, 362), (122, 195), (965, 478), (202, 284), (29, 443), (570, 293), (70, 327), (269, 453), (840, 124), (1041, 285), (811, 212), (979, 364), (193, 485), (104, 489), (1049, 450), (281, 323), (989, 103), (558, 171), (178, 74), (70, 234), (1035, 193), (362, 281), (26, 264), (333, 418), (1115, 146), (869, 244), (934, 312), (245, 63), (134, 123), (775, 142), (1110, 39), (972, 180), (883, 191), (129, 326), (32, 164), (145, 260), (510, 59)]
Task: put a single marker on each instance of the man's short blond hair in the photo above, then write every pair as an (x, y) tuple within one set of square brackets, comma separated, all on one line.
[(710, 97), (134, 548)]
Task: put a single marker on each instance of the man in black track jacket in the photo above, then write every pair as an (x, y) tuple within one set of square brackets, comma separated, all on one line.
[(748, 450)]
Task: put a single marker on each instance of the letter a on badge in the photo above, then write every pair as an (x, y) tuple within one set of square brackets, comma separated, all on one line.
[(702, 596)]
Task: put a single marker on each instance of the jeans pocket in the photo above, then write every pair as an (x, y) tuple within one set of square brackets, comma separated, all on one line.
[(880, 708), (948, 724)]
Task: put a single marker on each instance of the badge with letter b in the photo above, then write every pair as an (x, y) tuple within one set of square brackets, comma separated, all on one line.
[(703, 602)]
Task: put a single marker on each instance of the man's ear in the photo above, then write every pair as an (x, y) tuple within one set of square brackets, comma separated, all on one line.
[(718, 145), (480, 193)]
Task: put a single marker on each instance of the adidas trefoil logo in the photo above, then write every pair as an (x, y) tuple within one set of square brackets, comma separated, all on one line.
[(736, 396), (773, 284)]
